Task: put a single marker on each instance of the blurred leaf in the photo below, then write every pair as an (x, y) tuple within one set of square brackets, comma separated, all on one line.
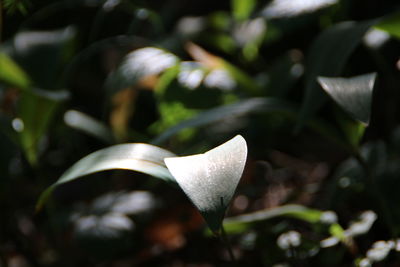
[(245, 82), (11, 6), (284, 73), (166, 79), (193, 74), (210, 179), (337, 231), (36, 108), (242, 9), (390, 25), (171, 113), (362, 225), (214, 62), (143, 158), (295, 211), (241, 108), (123, 107), (354, 94), (250, 35), (139, 64), (134, 202), (104, 235), (11, 73), (33, 50), (89, 125), (291, 8), (327, 57)]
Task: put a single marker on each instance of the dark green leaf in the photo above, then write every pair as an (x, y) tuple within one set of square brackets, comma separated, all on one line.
[(354, 94), (328, 55)]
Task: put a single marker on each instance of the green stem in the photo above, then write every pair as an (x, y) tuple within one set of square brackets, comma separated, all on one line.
[(225, 240)]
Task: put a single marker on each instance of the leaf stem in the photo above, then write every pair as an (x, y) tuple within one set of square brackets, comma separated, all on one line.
[(225, 240), (224, 237)]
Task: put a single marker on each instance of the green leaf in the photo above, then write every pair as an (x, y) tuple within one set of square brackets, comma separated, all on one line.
[(390, 25), (210, 179), (11, 73), (36, 108), (89, 125), (354, 95), (295, 211), (242, 9), (337, 231), (245, 82), (143, 158), (328, 55), (244, 107)]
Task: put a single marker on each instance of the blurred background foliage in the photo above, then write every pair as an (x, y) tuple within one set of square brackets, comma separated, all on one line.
[(77, 76)]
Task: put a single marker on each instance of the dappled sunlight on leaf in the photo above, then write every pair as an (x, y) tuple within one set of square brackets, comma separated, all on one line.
[(137, 157), (219, 78), (139, 64), (291, 8), (210, 179), (191, 74), (354, 94)]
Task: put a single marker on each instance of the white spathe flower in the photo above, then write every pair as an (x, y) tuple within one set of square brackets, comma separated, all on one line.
[(210, 179)]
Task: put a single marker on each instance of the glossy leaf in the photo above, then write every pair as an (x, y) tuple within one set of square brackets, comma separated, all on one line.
[(354, 94), (328, 55), (210, 179), (137, 157), (89, 125)]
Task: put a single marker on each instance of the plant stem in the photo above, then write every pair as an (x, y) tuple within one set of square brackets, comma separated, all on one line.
[(371, 185), (225, 240)]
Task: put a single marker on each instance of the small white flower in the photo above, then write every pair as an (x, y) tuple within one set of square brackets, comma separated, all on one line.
[(289, 239)]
